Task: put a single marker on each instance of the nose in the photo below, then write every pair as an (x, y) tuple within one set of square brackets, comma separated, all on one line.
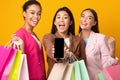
[(35, 15), (61, 19)]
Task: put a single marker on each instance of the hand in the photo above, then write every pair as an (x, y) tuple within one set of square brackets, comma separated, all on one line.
[(53, 50), (112, 46), (66, 52), (111, 43), (17, 43)]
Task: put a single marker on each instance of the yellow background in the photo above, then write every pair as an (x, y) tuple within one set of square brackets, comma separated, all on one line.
[(108, 11)]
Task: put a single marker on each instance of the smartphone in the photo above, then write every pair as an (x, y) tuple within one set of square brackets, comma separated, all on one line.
[(59, 48)]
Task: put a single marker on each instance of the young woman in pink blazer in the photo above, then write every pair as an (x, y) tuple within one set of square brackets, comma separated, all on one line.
[(98, 54), (26, 40)]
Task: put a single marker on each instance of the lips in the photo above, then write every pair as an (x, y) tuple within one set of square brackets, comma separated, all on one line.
[(35, 21), (83, 24), (61, 26)]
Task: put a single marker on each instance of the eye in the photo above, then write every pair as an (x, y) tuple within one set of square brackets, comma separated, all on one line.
[(32, 12), (39, 14), (65, 17), (58, 17), (90, 18)]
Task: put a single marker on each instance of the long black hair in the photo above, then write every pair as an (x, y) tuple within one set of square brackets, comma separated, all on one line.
[(71, 28)]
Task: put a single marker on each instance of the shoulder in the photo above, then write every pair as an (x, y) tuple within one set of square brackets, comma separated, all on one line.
[(77, 40), (48, 36), (100, 36), (22, 33), (97, 35)]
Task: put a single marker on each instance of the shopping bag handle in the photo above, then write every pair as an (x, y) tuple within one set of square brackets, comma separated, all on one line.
[(72, 58), (8, 44)]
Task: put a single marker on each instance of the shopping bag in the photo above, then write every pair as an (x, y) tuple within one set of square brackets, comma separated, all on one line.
[(80, 70), (8, 65), (68, 73), (61, 71), (112, 72), (100, 76), (23, 74), (6, 53), (19, 69), (77, 74), (57, 71), (83, 70)]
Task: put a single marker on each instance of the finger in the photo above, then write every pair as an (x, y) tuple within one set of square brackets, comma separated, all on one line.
[(65, 48), (52, 46)]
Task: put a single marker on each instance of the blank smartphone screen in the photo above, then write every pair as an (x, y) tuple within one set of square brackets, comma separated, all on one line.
[(59, 48)]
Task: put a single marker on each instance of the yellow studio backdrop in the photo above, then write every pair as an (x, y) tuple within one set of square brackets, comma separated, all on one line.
[(108, 11)]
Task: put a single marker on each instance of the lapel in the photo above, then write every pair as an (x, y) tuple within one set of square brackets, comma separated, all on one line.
[(91, 43)]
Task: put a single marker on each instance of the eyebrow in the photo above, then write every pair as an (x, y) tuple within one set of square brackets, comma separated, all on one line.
[(91, 16), (64, 15), (34, 10), (88, 16)]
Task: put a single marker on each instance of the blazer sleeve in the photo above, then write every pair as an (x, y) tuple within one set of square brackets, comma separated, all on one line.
[(48, 42), (107, 60)]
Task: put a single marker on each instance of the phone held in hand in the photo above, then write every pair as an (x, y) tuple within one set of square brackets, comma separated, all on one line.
[(59, 48)]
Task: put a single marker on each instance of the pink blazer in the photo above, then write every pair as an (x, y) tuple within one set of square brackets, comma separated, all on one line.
[(97, 54), (35, 57)]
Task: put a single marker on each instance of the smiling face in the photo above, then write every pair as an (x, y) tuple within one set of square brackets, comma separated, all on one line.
[(32, 15), (87, 20), (62, 22)]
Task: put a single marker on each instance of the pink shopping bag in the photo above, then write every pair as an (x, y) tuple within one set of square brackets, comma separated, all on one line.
[(112, 72), (6, 56)]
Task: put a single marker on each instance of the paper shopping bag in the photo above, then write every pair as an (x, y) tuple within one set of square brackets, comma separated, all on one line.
[(23, 75), (17, 68), (68, 73), (6, 54), (100, 76), (77, 74), (83, 70), (112, 72), (8, 65), (57, 71)]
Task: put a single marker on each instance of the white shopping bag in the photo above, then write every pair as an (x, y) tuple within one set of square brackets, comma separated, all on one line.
[(23, 69)]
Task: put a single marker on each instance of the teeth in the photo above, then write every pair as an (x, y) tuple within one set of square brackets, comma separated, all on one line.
[(61, 24), (35, 21)]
